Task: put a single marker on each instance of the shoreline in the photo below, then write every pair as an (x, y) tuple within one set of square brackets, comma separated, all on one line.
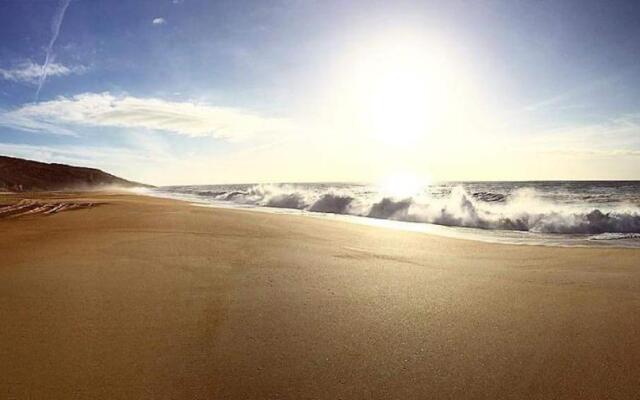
[(505, 237), (144, 297)]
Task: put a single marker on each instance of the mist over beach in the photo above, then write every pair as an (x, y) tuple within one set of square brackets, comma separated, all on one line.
[(417, 199)]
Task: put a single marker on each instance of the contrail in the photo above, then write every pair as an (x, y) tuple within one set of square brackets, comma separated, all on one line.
[(55, 30)]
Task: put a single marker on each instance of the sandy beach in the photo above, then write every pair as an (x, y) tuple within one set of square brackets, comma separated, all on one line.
[(140, 297)]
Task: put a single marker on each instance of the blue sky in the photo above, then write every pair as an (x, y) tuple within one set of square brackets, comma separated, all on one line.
[(190, 91)]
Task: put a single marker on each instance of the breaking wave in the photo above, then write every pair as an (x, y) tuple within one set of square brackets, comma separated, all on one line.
[(520, 209)]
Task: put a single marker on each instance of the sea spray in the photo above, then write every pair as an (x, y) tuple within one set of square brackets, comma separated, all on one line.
[(590, 208)]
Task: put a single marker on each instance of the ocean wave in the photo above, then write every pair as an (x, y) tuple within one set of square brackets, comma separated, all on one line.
[(287, 200), (615, 236), (332, 203), (520, 210)]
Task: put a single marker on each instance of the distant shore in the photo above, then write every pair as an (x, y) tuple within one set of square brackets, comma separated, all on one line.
[(142, 297)]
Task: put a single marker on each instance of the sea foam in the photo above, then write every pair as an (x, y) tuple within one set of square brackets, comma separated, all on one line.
[(542, 207)]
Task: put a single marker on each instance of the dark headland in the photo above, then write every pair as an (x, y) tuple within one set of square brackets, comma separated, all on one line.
[(19, 175)]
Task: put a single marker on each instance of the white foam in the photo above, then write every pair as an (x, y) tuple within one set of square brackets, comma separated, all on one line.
[(522, 215)]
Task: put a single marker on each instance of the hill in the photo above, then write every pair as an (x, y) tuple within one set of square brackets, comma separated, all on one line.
[(19, 175)]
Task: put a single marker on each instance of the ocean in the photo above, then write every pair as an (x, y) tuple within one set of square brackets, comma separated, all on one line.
[(564, 213)]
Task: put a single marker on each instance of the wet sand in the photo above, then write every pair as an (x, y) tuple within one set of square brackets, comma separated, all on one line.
[(151, 298)]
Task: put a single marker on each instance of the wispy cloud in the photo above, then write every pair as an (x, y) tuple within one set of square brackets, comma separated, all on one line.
[(623, 130), (613, 139), (31, 72), (587, 152), (24, 121), (56, 23), (560, 100), (64, 114), (79, 155), (159, 21)]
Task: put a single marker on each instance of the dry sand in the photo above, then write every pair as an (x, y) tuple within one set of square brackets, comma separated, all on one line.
[(151, 298)]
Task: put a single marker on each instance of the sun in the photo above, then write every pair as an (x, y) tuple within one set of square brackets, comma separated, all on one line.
[(404, 90)]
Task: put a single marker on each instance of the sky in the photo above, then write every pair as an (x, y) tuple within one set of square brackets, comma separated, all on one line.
[(201, 91)]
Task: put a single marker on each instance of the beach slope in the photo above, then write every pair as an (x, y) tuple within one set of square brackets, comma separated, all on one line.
[(140, 297)]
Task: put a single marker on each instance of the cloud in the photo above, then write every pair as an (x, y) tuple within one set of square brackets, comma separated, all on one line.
[(619, 132), (31, 72), (56, 23), (64, 114), (159, 21), (22, 121), (76, 155), (590, 152), (576, 92)]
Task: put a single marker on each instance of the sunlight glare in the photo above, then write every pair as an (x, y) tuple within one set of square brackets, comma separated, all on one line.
[(404, 90), (403, 185)]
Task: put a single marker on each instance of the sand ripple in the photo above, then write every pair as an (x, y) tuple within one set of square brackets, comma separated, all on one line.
[(31, 207)]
